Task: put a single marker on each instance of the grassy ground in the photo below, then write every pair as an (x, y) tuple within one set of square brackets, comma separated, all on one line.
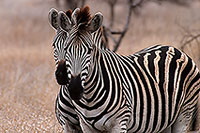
[(27, 84)]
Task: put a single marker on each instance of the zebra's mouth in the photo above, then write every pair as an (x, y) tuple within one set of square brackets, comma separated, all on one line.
[(75, 88)]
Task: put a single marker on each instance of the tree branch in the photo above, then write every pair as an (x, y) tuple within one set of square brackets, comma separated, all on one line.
[(122, 33), (188, 37), (125, 29), (188, 41)]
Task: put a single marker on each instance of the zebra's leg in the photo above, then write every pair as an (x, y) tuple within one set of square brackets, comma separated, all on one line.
[(167, 130), (68, 128), (120, 128), (186, 116), (182, 124), (85, 128)]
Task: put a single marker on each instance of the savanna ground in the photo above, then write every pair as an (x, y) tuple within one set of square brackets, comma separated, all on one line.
[(27, 84)]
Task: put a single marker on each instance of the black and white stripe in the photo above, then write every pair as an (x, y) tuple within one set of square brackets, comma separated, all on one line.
[(151, 91), (58, 45), (146, 91), (64, 108)]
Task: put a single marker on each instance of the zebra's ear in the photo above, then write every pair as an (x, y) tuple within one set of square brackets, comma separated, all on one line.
[(75, 14), (64, 22), (95, 22), (53, 18)]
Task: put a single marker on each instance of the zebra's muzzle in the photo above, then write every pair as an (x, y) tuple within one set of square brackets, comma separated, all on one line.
[(75, 88), (61, 73)]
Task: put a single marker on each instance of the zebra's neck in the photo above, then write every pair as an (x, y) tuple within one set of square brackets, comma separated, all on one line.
[(98, 38), (94, 79)]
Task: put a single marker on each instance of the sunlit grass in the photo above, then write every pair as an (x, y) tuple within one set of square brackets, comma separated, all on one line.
[(28, 90)]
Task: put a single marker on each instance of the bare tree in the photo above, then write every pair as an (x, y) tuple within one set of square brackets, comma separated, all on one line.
[(178, 2), (112, 4), (189, 37), (111, 33)]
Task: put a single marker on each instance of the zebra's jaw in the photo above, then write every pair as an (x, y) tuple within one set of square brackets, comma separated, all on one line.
[(75, 88)]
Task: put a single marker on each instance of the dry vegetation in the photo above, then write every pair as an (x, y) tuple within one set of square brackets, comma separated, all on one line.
[(27, 84)]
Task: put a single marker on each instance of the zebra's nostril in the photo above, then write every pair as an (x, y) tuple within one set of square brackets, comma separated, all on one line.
[(60, 73), (57, 73)]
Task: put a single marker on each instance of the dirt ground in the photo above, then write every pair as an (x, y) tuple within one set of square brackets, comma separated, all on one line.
[(27, 84)]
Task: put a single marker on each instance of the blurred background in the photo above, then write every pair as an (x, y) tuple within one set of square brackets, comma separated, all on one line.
[(28, 87)]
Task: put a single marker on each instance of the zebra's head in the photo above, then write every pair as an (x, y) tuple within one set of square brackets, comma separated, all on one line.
[(79, 46), (58, 46)]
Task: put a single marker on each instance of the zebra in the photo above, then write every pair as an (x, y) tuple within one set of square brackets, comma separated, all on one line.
[(64, 109), (154, 90)]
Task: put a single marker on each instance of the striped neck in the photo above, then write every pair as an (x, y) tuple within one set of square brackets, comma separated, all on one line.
[(98, 39), (94, 75)]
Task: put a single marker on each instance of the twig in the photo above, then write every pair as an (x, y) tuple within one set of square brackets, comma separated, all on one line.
[(136, 5), (177, 2), (116, 32), (125, 29), (188, 37), (192, 38)]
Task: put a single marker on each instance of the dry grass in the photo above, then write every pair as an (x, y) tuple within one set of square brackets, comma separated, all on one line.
[(28, 90), (27, 84)]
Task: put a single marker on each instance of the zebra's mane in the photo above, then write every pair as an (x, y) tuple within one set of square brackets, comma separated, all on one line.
[(69, 13), (83, 16)]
